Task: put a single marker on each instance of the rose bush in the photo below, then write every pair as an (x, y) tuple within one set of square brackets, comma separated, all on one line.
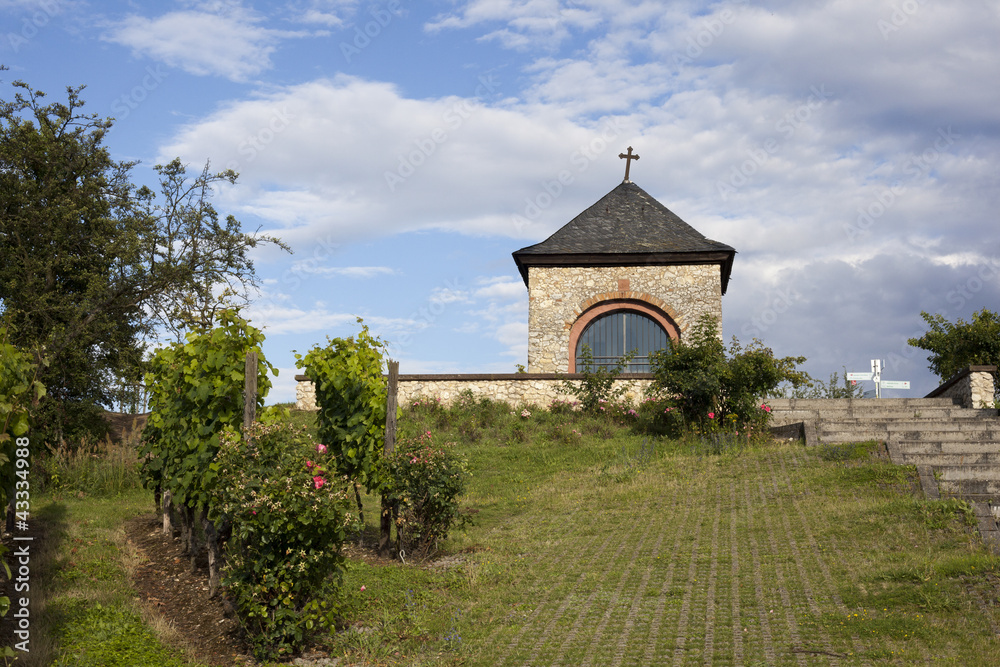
[(289, 510)]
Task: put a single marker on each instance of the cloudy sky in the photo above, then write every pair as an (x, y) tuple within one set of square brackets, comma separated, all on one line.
[(848, 149)]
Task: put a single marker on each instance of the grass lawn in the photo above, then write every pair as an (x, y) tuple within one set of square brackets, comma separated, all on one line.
[(594, 545)]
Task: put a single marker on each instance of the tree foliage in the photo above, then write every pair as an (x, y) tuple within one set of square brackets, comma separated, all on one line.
[(91, 264), (954, 346)]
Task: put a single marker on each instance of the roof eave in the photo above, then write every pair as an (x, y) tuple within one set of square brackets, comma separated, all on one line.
[(724, 258)]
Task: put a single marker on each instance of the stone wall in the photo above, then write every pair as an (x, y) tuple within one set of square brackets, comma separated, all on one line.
[(971, 387), (515, 388), (558, 296)]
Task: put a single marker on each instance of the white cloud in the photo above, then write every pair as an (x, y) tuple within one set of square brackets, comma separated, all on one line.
[(229, 43), (359, 272)]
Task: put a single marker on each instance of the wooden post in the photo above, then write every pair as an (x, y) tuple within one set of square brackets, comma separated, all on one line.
[(250, 391), (385, 525)]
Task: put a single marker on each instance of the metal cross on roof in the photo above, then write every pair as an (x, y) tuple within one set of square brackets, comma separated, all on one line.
[(628, 161)]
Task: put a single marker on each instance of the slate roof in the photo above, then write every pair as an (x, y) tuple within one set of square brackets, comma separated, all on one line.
[(626, 227)]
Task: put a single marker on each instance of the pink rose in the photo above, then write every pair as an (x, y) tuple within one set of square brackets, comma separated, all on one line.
[(711, 415), (309, 465), (321, 449), (318, 482)]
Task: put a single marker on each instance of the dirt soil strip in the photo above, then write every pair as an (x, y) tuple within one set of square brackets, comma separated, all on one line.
[(165, 582), (680, 529)]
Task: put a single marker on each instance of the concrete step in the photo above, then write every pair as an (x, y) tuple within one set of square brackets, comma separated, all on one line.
[(964, 415), (945, 431), (972, 489), (940, 447), (825, 404), (957, 460), (972, 473)]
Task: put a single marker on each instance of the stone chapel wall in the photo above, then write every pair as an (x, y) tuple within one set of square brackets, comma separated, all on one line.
[(557, 296)]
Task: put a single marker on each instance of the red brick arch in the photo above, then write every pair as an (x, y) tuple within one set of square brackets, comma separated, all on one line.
[(594, 307)]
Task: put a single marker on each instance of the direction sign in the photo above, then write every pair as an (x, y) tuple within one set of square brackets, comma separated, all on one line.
[(895, 384), (862, 377)]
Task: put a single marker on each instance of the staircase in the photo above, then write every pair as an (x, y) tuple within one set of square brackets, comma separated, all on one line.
[(959, 446)]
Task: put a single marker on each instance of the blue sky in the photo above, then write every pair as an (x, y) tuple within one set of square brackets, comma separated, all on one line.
[(847, 149)]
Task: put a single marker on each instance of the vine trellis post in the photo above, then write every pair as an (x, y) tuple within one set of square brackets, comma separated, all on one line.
[(388, 510)]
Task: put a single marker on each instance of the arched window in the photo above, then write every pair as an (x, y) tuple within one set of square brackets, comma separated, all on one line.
[(614, 334)]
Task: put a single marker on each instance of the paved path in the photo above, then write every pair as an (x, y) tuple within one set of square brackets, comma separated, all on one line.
[(758, 580)]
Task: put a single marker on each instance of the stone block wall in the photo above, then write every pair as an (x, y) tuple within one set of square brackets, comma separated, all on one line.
[(972, 387), (557, 296), (515, 388)]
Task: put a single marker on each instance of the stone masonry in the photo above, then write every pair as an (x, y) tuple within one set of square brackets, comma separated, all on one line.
[(515, 389), (558, 296)]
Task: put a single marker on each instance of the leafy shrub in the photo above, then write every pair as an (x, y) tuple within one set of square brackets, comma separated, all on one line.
[(707, 384), (597, 386), (289, 513), (426, 482), (559, 406), (660, 416)]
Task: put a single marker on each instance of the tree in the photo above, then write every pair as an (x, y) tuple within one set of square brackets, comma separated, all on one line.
[(956, 346), (91, 265)]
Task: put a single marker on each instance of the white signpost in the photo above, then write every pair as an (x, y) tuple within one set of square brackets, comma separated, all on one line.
[(876, 376)]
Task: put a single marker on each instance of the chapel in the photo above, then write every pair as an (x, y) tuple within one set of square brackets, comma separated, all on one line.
[(623, 275)]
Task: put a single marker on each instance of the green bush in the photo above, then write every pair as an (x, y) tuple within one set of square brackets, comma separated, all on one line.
[(289, 514), (660, 416), (715, 392), (426, 482), (597, 388)]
